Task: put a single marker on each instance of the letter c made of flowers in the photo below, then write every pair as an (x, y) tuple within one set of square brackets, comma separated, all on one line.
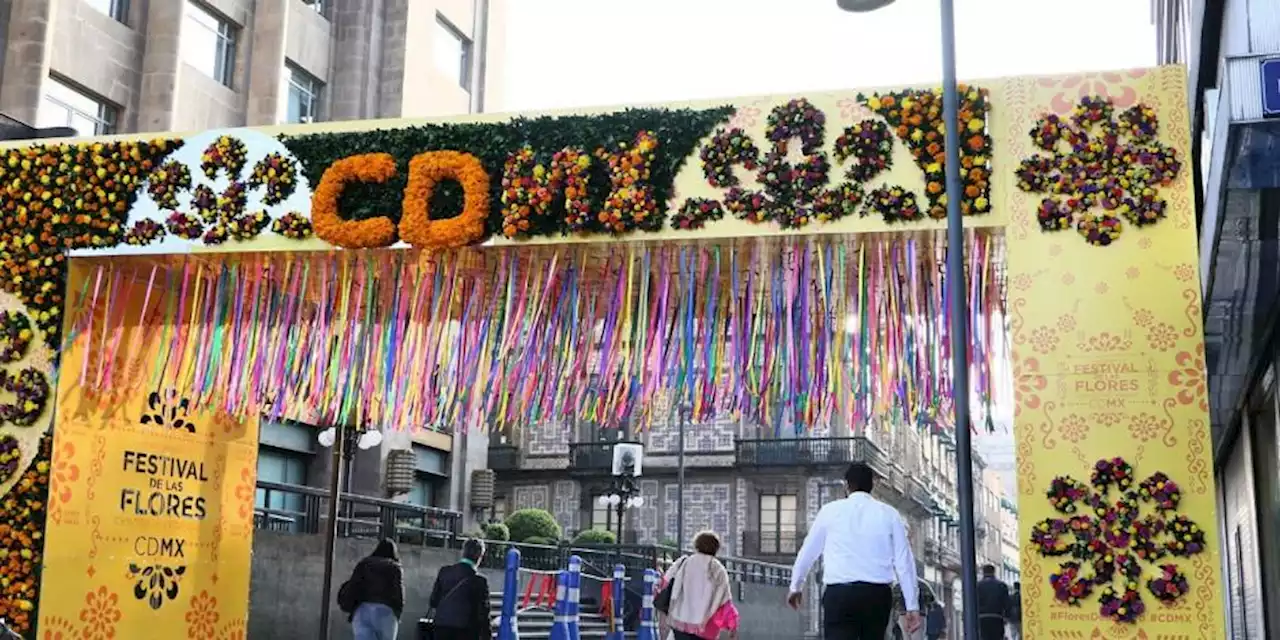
[(352, 234), (426, 170)]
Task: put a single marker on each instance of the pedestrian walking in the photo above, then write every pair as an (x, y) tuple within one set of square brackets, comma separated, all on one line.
[(935, 623), (460, 598), (1015, 612), (701, 605), (374, 595), (864, 547), (993, 604)]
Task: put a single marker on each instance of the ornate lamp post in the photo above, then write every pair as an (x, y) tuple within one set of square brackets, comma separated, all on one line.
[(624, 491), (344, 441)]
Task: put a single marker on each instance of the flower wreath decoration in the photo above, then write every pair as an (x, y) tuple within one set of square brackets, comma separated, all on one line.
[(797, 119), (279, 174), (894, 204), (1111, 542), (31, 393), (426, 170), (1115, 472), (870, 144), (10, 456), (726, 150), (227, 153), (1170, 585), (293, 225), (1103, 169), (1161, 490), (15, 335), (143, 232), (1065, 493), (695, 213), (630, 204), (167, 181), (184, 225)]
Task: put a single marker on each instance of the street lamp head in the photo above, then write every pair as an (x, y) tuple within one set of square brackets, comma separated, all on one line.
[(863, 6), (603, 501), (326, 437), (369, 439), (614, 499)]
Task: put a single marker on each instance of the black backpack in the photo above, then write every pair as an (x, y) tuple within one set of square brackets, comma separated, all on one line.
[(347, 597)]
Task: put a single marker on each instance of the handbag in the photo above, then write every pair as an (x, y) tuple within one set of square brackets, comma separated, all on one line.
[(662, 600)]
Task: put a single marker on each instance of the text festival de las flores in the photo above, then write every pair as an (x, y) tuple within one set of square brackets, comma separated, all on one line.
[(168, 478)]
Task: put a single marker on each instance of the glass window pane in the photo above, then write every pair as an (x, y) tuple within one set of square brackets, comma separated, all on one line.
[(199, 47), (52, 114), (208, 43), (451, 52)]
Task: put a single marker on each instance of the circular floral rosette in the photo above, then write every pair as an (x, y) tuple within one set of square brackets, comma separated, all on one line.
[(1146, 539), (10, 457), (1115, 472), (870, 144), (15, 335), (1159, 489), (168, 181), (841, 202), (293, 225), (695, 213), (1103, 169), (226, 154), (893, 204), (30, 388), (1186, 538), (278, 174), (1070, 585), (725, 150), (1170, 585), (1121, 605), (144, 232), (184, 225), (1065, 494), (793, 188), (797, 119)]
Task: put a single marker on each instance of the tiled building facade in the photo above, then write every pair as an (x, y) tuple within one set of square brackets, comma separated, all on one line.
[(121, 66)]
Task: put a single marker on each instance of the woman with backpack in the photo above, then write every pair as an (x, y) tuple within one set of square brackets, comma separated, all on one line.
[(374, 596)]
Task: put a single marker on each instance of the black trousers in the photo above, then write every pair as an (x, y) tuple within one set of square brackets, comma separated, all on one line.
[(856, 611), (991, 628)]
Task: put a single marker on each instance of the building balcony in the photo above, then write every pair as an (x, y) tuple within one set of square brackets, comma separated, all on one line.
[(791, 452), (504, 457), (592, 457)]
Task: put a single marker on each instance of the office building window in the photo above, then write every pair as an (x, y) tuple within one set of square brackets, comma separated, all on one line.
[(117, 9), (777, 524), (209, 43), (302, 104), (602, 516), (424, 489), (280, 510), (66, 106), (453, 53)]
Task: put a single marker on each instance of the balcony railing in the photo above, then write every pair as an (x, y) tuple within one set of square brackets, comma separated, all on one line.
[(592, 456), (790, 452), (504, 457), (290, 508), (771, 543)]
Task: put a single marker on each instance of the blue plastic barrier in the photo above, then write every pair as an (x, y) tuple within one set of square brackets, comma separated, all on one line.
[(616, 631), (508, 623), (560, 628), (573, 606), (648, 617)]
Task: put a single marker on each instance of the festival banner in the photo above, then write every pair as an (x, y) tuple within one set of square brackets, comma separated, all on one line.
[(150, 524), (1115, 476)]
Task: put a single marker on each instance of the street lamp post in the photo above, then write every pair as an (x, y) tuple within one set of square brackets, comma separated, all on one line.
[(959, 312), (623, 494), (344, 441)]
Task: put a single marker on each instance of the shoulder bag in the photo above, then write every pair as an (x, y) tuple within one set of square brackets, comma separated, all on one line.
[(662, 600)]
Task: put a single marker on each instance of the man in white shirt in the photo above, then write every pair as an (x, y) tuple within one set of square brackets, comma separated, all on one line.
[(863, 544)]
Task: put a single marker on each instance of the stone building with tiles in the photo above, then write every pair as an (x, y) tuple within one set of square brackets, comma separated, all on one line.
[(760, 491), (121, 66)]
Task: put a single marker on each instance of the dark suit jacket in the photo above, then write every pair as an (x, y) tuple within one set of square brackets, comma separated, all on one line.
[(460, 599), (993, 598)]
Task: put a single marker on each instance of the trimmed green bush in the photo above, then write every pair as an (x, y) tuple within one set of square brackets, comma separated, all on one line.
[(596, 536), (533, 523), (496, 531), (550, 542)]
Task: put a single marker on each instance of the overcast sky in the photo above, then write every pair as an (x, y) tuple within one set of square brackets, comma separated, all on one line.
[(573, 53), (577, 53)]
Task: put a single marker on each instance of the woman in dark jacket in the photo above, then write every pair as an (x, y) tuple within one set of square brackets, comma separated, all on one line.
[(377, 587)]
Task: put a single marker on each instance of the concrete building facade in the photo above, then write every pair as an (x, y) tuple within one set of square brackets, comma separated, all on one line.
[(124, 66)]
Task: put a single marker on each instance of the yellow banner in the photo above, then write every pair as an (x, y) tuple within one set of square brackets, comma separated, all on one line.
[(1117, 512), (150, 525)]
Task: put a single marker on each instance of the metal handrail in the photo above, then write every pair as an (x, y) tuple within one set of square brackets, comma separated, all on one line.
[(302, 510)]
